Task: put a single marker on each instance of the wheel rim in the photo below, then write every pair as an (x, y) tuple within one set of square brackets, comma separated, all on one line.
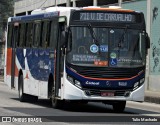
[(20, 92)]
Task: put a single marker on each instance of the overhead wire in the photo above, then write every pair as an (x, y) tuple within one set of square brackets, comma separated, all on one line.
[(42, 4)]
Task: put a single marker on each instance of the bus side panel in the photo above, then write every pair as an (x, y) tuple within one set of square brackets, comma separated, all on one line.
[(8, 68), (9, 60), (30, 85), (37, 69)]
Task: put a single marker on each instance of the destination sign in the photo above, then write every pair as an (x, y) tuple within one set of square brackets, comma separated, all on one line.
[(35, 16), (104, 17)]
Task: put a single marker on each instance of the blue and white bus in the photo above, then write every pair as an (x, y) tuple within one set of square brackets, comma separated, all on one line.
[(78, 54)]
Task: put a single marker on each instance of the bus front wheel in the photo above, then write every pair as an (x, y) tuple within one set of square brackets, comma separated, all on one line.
[(119, 106), (56, 103)]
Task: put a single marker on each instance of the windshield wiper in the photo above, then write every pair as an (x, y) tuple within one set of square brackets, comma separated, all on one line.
[(122, 40), (122, 37), (96, 42)]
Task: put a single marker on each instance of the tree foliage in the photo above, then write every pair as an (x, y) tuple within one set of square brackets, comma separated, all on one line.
[(6, 10)]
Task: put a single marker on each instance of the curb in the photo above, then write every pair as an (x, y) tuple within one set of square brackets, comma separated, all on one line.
[(152, 96), (152, 99)]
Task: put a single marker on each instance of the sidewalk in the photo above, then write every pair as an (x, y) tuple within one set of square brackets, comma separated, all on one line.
[(1, 78), (153, 97)]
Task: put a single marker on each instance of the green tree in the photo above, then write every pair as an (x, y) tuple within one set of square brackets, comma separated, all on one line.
[(6, 10)]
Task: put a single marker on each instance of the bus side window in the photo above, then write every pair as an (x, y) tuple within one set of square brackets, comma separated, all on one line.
[(21, 39), (37, 31), (18, 35), (48, 33), (9, 36), (41, 35), (45, 34), (53, 33), (29, 31)]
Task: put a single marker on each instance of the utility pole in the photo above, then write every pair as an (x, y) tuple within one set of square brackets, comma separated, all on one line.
[(55, 2), (74, 3), (94, 2), (68, 3), (120, 3), (148, 28)]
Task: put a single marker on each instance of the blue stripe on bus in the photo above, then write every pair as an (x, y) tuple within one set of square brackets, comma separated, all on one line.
[(103, 84), (35, 16), (39, 62)]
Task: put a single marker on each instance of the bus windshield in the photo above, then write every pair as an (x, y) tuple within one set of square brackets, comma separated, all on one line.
[(114, 47)]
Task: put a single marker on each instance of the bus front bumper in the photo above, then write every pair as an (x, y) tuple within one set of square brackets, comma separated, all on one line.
[(71, 92)]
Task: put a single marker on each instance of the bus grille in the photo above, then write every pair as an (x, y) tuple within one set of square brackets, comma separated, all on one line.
[(125, 93), (109, 72)]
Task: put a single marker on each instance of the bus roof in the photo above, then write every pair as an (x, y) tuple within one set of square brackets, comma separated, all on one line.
[(108, 9)]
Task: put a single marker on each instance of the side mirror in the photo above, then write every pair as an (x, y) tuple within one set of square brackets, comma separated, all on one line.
[(147, 41)]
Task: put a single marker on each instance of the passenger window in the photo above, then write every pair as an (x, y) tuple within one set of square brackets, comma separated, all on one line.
[(18, 35), (41, 34), (29, 39), (45, 34), (37, 31), (54, 34), (22, 38), (9, 37)]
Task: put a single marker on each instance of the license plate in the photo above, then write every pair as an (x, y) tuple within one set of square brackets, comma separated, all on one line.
[(107, 93)]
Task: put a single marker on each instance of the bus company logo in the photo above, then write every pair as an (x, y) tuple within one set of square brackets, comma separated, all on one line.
[(92, 83), (108, 84), (122, 83), (94, 48)]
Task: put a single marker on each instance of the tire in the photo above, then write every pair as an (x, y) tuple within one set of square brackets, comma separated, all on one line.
[(119, 106), (22, 96), (25, 97), (57, 104)]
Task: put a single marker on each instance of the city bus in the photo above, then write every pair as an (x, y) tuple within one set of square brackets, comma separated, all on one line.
[(88, 54)]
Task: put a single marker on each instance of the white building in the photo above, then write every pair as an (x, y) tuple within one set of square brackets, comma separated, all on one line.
[(23, 7)]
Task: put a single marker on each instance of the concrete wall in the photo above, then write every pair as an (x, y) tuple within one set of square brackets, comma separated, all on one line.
[(155, 46), (153, 26), (29, 5), (139, 5), (24, 7)]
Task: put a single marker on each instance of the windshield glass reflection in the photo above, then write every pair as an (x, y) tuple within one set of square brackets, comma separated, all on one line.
[(112, 50)]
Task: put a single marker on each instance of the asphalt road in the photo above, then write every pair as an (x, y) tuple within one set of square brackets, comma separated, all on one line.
[(92, 113)]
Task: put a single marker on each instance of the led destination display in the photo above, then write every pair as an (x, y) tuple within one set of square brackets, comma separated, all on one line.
[(105, 17)]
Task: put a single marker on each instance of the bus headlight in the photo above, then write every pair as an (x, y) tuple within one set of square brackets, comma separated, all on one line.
[(78, 84), (74, 81), (70, 79), (138, 84), (142, 81)]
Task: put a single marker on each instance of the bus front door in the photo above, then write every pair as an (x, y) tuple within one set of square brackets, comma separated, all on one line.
[(13, 66), (59, 61)]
